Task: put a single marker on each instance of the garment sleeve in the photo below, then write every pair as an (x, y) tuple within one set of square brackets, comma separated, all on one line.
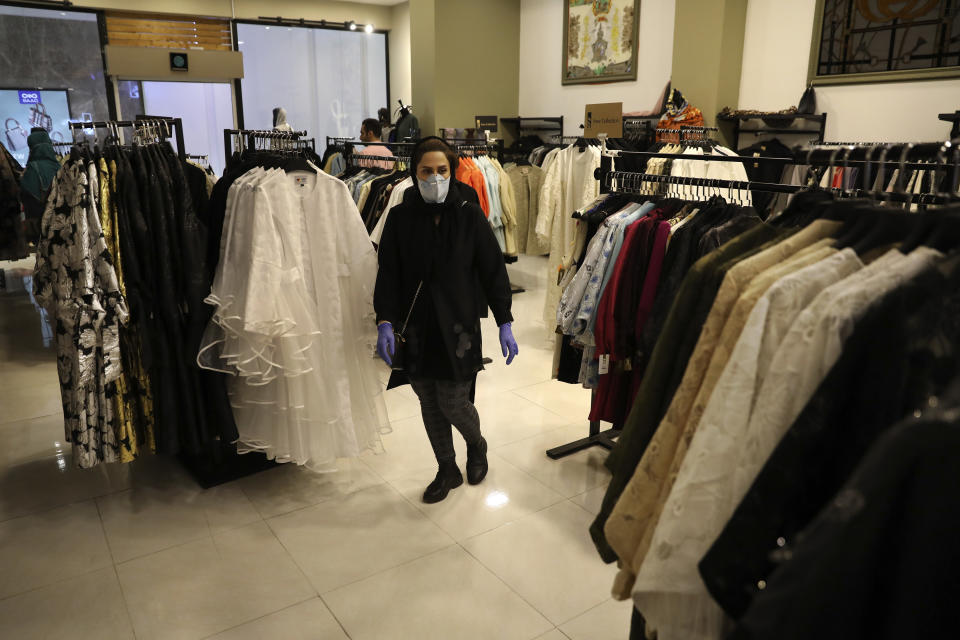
[(549, 200), (479, 185), (492, 271), (386, 291), (509, 202)]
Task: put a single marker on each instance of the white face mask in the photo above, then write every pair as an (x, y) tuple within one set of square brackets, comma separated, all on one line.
[(434, 189)]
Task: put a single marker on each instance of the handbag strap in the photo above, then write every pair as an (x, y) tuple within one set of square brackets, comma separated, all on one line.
[(410, 311)]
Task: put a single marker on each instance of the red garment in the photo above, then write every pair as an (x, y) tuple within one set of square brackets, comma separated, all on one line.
[(640, 266), (652, 280), (605, 327), (650, 285), (632, 259)]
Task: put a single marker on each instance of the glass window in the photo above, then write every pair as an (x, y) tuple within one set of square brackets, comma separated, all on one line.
[(53, 70), (328, 80), (206, 109)]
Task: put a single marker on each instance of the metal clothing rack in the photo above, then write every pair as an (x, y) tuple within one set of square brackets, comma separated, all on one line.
[(362, 156), (155, 127), (346, 142), (939, 157), (248, 138), (685, 134), (946, 154), (464, 144)]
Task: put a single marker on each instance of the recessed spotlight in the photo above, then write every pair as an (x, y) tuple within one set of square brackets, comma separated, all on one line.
[(368, 28), (352, 25), (268, 28)]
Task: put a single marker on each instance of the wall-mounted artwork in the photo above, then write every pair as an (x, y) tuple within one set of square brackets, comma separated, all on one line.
[(600, 40), (877, 40)]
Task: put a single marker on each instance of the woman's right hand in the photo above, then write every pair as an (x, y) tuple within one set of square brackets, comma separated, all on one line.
[(386, 342)]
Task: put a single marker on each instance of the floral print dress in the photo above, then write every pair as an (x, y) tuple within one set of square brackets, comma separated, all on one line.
[(76, 282)]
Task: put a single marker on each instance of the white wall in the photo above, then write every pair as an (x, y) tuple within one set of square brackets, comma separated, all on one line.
[(401, 83), (541, 59), (776, 53)]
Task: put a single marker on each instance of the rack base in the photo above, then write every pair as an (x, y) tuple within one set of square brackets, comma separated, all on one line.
[(223, 464), (597, 438)]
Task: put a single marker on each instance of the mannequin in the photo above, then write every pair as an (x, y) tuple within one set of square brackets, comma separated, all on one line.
[(407, 124), (280, 119)]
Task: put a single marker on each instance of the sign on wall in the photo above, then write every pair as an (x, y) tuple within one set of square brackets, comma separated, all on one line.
[(486, 123)]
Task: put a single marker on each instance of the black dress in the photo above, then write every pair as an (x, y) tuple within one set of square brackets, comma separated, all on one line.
[(881, 561), (459, 263)]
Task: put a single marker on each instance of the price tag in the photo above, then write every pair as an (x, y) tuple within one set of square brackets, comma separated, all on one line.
[(604, 364)]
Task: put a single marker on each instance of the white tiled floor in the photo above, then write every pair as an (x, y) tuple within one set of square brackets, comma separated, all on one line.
[(140, 551)]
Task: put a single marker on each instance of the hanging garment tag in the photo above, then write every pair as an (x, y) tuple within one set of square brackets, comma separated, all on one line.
[(604, 364), (301, 181)]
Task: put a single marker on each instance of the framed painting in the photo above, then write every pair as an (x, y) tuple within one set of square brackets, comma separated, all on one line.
[(877, 40), (600, 39)]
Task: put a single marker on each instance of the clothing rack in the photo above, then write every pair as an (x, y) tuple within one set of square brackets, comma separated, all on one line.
[(685, 134), (361, 156), (940, 157), (339, 141), (249, 137), (164, 127), (631, 183)]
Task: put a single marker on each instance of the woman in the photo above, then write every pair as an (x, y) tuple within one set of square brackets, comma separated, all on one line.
[(438, 258)]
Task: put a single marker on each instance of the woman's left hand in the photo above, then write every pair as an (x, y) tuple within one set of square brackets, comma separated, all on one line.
[(508, 343)]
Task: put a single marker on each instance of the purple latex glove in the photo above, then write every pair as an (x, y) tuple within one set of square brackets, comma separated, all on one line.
[(386, 342), (508, 343)]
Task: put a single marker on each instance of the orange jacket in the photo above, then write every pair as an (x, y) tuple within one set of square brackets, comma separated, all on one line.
[(468, 173)]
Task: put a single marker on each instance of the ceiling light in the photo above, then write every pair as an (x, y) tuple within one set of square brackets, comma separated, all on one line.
[(352, 25), (268, 28), (368, 28)]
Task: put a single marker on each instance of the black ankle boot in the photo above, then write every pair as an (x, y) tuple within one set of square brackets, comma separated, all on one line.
[(448, 477), (477, 462)]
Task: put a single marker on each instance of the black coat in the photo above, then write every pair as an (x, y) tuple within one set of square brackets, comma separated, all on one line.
[(459, 263)]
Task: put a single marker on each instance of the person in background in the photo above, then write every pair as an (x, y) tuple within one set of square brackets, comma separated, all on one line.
[(437, 254), (42, 166), (370, 132), (383, 114)]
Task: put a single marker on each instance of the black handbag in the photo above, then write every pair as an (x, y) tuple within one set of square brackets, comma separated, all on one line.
[(400, 344), (808, 102)]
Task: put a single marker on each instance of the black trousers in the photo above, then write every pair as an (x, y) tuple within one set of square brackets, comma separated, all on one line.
[(445, 403)]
